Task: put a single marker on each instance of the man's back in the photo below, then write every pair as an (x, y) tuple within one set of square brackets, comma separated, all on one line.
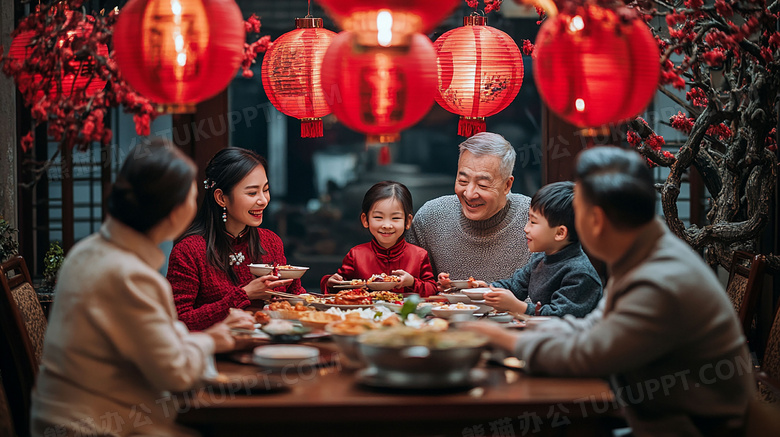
[(668, 338)]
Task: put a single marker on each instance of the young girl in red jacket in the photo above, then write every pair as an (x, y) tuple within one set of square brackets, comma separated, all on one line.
[(387, 214)]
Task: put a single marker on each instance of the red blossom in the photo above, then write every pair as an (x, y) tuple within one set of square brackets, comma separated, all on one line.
[(650, 163), (472, 3), (27, 142), (697, 96), (675, 18), (721, 131), (252, 24), (771, 140), (655, 142), (681, 122), (667, 154), (774, 40), (766, 53), (528, 47), (723, 8), (492, 5), (633, 138), (694, 4), (715, 57)]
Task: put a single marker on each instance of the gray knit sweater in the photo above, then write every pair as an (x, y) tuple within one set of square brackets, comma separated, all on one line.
[(488, 250), (564, 282)]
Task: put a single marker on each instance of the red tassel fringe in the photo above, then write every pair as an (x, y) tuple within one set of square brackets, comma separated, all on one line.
[(311, 128), (384, 155), (471, 126)]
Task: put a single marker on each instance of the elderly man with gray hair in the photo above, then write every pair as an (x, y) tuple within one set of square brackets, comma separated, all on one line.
[(478, 231)]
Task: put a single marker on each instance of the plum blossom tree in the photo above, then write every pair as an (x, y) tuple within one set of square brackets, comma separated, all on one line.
[(725, 57)]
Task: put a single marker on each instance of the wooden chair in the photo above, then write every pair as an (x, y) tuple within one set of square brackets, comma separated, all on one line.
[(746, 277), (23, 325)]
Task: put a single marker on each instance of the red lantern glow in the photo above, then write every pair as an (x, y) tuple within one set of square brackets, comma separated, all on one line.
[(404, 17), (77, 73), (377, 90), (179, 52), (291, 74), (480, 73), (593, 69)]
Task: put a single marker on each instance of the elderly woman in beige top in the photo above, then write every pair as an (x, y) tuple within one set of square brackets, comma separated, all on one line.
[(114, 347)]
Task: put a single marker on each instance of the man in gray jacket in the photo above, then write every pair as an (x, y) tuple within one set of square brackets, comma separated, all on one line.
[(665, 333)]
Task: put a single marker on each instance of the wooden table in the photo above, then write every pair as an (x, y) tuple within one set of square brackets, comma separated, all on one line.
[(329, 401)]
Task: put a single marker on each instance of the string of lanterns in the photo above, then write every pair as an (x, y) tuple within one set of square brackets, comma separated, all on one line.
[(381, 74)]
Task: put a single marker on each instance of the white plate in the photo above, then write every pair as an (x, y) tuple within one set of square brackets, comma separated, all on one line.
[(294, 272), (447, 313), (283, 355), (476, 293), (325, 306)]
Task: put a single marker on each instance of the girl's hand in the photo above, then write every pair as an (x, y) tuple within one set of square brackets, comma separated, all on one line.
[(444, 281), (258, 288), (239, 319), (407, 280), (334, 280), (503, 300)]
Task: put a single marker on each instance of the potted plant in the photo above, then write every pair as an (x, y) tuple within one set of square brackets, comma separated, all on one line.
[(52, 262)]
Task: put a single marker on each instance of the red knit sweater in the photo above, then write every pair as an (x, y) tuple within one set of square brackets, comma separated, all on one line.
[(368, 259), (204, 294)]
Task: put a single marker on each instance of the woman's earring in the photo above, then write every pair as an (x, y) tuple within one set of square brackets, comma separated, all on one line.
[(224, 214)]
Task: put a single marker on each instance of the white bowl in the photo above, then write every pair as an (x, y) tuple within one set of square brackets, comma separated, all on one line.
[(456, 297), (283, 355), (460, 283), (445, 313), (294, 272), (476, 293)]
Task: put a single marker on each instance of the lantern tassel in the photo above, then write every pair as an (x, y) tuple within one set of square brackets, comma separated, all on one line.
[(384, 155), (468, 126), (311, 128)]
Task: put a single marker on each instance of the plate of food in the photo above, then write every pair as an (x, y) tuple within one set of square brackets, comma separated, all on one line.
[(346, 299), (285, 271), (383, 282), (447, 311)]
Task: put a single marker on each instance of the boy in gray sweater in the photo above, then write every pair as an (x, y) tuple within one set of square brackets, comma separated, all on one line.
[(559, 278)]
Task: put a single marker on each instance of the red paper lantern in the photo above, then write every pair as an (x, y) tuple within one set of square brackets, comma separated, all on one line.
[(377, 90), (404, 18), (291, 74), (77, 75), (480, 73), (592, 68), (177, 53)]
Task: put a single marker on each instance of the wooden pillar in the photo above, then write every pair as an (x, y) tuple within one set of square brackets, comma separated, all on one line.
[(205, 132), (8, 142)]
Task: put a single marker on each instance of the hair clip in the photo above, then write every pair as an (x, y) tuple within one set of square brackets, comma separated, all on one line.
[(208, 184)]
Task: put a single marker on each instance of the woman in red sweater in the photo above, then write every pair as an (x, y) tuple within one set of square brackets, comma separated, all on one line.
[(208, 268), (387, 214)]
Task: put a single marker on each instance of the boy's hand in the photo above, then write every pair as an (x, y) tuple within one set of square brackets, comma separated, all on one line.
[(334, 280), (407, 280), (478, 284), (444, 281), (503, 300)]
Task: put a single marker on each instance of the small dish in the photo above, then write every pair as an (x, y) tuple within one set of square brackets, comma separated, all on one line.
[(285, 272), (459, 283), (284, 355)]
